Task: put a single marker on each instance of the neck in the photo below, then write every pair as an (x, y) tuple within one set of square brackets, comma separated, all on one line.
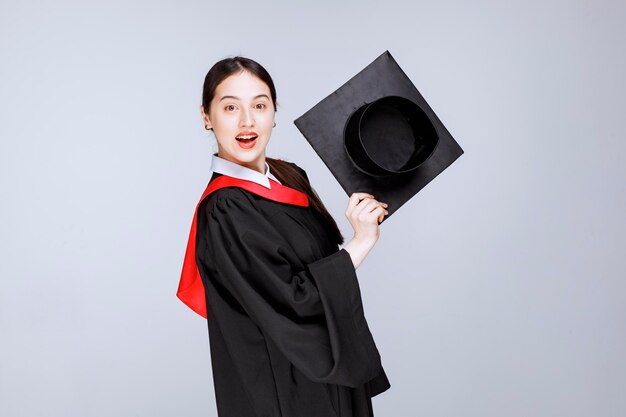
[(258, 165)]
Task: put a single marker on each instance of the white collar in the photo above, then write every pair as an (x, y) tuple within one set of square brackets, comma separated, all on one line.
[(232, 169)]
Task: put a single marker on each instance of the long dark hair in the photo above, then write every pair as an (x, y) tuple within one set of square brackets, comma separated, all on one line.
[(287, 173)]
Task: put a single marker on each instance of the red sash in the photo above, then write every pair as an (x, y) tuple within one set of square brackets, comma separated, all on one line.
[(190, 288)]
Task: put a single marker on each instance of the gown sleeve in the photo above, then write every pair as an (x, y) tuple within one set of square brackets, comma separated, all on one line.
[(314, 315)]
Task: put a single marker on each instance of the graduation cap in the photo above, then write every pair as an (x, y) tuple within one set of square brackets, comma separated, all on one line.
[(377, 134)]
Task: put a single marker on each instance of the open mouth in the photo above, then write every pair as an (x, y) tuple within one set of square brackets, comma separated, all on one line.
[(246, 141)]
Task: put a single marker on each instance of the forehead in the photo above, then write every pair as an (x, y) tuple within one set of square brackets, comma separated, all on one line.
[(243, 85)]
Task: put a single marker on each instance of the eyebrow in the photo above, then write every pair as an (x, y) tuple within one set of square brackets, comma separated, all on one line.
[(237, 98)]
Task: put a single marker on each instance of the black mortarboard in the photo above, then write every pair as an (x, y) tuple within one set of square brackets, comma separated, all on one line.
[(377, 134)]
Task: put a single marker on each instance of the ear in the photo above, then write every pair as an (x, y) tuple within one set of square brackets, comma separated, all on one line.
[(205, 117)]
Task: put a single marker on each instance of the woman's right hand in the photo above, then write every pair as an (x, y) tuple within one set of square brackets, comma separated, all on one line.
[(364, 214)]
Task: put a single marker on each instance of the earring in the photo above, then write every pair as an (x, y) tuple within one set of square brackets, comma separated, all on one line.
[(207, 127), (274, 124)]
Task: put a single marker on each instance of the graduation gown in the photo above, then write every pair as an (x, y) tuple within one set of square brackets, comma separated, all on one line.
[(288, 336)]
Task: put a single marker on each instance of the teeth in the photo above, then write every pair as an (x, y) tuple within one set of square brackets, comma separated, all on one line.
[(246, 137)]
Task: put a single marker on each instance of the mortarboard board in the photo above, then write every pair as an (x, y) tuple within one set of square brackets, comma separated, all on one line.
[(377, 134)]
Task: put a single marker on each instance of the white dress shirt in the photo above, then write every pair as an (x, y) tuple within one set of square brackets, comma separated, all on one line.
[(232, 169)]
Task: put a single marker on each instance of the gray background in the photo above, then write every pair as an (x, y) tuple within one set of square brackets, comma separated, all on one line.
[(497, 291)]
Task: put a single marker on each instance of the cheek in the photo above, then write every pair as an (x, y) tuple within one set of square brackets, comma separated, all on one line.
[(267, 118), (225, 122)]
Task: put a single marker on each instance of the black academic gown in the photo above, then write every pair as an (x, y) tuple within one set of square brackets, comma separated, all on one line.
[(287, 332)]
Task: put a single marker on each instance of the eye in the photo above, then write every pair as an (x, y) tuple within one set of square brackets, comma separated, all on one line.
[(230, 107), (260, 106)]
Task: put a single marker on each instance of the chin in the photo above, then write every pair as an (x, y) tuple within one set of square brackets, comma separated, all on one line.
[(247, 155)]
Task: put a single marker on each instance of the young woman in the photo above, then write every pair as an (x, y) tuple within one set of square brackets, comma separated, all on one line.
[(288, 336)]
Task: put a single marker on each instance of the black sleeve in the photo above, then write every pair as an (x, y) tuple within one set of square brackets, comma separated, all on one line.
[(314, 315)]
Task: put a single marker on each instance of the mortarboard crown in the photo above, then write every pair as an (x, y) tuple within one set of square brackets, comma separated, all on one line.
[(377, 134)]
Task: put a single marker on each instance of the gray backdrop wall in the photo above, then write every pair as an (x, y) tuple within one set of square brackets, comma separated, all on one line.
[(497, 291)]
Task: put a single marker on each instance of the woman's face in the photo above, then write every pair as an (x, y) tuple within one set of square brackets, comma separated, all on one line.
[(242, 118)]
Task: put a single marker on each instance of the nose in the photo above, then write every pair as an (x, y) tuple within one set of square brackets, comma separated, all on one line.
[(246, 118)]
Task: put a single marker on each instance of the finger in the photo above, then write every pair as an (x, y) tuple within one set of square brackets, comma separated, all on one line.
[(355, 198), (360, 196), (370, 216), (354, 206), (378, 214), (385, 213), (383, 204), (361, 207), (366, 206), (352, 202), (372, 204), (382, 216)]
